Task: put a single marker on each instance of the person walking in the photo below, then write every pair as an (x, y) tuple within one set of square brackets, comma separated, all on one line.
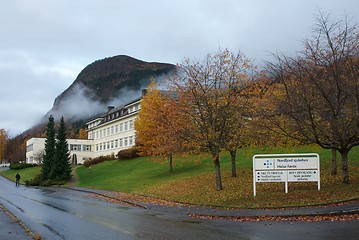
[(17, 179)]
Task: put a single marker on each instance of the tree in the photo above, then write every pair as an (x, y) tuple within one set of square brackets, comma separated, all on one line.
[(82, 133), (39, 156), (3, 144), (208, 93), (61, 166), (321, 89), (157, 124), (49, 151)]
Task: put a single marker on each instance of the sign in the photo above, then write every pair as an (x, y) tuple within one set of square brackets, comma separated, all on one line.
[(271, 176), (286, 168), (303, 176), (296, 163)]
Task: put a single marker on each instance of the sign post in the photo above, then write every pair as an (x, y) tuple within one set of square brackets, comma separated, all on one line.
[(286, 168)]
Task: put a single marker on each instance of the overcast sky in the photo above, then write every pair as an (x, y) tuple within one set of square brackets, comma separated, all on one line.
[(44, 44)]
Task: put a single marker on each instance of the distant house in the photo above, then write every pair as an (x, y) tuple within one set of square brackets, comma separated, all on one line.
[(107, 134)]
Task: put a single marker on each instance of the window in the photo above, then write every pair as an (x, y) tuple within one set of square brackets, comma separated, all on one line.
[(131, 124), (116, 129), (125, 141), (96, 134), (112, 130), (108, 144), (136, 107), (100, 134), (108, 131), (130, 140), (30, 148), (97, 148), (125, 126), (112, 144), (121, 127), (121, 142), (116, 143), (76, 147)]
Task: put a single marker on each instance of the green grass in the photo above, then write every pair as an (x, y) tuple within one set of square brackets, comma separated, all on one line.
[(26, 174), (193, 180)]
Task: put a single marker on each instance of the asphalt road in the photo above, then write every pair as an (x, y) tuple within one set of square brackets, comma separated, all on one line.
[(59, 213)]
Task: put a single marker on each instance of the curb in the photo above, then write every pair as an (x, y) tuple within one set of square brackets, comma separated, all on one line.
[(221, 215), (284, 216), (103, 195), (16, 220)]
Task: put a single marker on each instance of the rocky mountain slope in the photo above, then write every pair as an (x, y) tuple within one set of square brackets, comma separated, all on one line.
[(110, 81)]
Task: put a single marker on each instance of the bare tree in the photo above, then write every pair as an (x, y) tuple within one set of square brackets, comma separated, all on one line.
[(321, 89), (38, 156)]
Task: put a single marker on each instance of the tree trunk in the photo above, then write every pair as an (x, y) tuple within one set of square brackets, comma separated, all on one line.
[(234, 167), (171, 163), (334, 162), (345, 167), (218, 172)]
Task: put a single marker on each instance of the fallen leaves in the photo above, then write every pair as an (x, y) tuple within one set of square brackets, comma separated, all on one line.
[(305, 218)]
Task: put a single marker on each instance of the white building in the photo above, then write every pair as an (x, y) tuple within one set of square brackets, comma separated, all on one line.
[(107, 135), (114, 130), (79, 149)]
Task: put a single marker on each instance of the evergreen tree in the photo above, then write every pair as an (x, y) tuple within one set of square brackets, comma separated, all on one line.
[(49, 149), (61, 169)]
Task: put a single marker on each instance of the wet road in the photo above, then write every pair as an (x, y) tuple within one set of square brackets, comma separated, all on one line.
[(58, 213)]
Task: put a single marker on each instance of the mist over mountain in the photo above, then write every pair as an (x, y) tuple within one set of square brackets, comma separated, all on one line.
[(110, 81)]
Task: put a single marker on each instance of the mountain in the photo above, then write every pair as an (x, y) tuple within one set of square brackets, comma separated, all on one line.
[(109, 81)]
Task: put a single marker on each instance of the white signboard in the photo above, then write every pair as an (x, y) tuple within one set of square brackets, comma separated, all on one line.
[(286, 168)]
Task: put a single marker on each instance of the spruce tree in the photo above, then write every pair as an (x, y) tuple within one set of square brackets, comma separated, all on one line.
[(49, 150), (61, 169)]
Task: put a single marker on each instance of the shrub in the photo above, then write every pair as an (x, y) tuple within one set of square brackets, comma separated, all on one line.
[(128, 154), (97, 160), (19, 166), (36, 181)]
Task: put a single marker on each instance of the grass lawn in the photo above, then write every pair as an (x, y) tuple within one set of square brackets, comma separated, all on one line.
[(193, 180), (26, 174)]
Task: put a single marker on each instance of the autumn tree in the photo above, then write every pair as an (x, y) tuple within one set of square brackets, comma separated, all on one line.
[(210, 95), (321, 89), (82, 133), (3, 143), (157, 124)]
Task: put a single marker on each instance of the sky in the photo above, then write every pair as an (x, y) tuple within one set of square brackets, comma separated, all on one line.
[(44, 44)]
